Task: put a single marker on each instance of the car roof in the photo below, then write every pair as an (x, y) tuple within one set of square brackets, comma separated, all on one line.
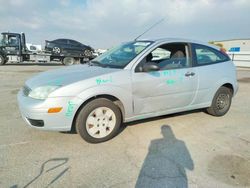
[(5, 33), (183, 40), (65, 39)]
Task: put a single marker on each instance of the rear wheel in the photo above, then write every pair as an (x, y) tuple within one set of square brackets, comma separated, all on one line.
[(98, 121), (56, 50), (221, 102)]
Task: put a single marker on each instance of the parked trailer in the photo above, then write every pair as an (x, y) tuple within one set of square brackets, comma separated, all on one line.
[(13, 50)]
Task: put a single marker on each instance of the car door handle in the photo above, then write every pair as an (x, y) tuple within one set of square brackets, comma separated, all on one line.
[(189, 74)]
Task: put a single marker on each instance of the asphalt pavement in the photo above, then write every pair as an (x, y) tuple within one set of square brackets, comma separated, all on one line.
[(191, 149)]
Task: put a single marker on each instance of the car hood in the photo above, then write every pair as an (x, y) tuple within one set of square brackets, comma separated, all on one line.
[(67, 75)]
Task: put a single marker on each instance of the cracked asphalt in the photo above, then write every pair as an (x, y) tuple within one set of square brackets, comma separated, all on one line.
[(191, 149)]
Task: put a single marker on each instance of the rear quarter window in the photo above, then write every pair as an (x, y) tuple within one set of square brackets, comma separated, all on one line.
[(205, 55)]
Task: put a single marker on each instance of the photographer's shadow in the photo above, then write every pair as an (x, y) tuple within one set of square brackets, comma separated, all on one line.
[(165, 164)]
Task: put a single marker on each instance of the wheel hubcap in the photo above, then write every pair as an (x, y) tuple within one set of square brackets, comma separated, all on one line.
[(87, 53), (56, 50), (222, 101), (100, 122)]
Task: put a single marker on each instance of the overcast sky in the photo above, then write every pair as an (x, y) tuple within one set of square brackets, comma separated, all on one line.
[(105, 23)]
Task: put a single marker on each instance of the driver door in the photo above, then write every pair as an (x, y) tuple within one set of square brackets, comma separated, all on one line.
[(169, 88)]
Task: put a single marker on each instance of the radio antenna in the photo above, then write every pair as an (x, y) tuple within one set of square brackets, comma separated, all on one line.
[(155, 24)]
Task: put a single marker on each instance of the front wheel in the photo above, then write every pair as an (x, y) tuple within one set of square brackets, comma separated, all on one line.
[(98, 121), (221, 102), (2, 60), (87, 53)]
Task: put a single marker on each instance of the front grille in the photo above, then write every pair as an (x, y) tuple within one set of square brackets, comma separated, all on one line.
[(26, 90), (36, 123)]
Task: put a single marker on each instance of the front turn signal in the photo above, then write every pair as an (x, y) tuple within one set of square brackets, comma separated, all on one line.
[(54, 110)]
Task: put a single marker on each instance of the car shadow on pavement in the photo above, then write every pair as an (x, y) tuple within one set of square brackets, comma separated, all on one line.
[(166, 162), (134, 123)]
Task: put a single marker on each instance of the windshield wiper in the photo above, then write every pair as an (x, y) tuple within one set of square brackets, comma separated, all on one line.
[(94, 63)]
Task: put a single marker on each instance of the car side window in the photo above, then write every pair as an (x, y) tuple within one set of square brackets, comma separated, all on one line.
[(160, 54), (168, 56), (205, 55), (74, 43), (61, 41)]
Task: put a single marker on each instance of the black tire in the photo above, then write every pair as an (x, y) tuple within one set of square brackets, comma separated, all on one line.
[(77, 61), (68, 61), (2, 60), (85, 112), (221, 102)]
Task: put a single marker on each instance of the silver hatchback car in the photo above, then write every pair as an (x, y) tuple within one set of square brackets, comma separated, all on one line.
[(136, 80)]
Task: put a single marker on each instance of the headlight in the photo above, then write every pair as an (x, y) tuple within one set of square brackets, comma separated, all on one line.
[(42, 92)]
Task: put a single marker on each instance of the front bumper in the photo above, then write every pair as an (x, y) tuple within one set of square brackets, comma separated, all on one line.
[(35, 112)]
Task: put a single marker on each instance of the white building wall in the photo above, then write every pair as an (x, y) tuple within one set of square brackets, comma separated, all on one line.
[(240, 56), (243, 44)]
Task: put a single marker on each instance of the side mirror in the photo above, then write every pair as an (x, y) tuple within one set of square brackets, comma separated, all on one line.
[(150, 66)]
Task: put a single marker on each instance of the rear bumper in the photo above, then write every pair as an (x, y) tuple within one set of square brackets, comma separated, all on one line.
[(35, 112)]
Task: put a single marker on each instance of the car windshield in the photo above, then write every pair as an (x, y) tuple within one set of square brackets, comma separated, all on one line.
[(121, 55)]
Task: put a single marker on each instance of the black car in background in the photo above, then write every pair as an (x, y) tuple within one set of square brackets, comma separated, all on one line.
[(69, 47)]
